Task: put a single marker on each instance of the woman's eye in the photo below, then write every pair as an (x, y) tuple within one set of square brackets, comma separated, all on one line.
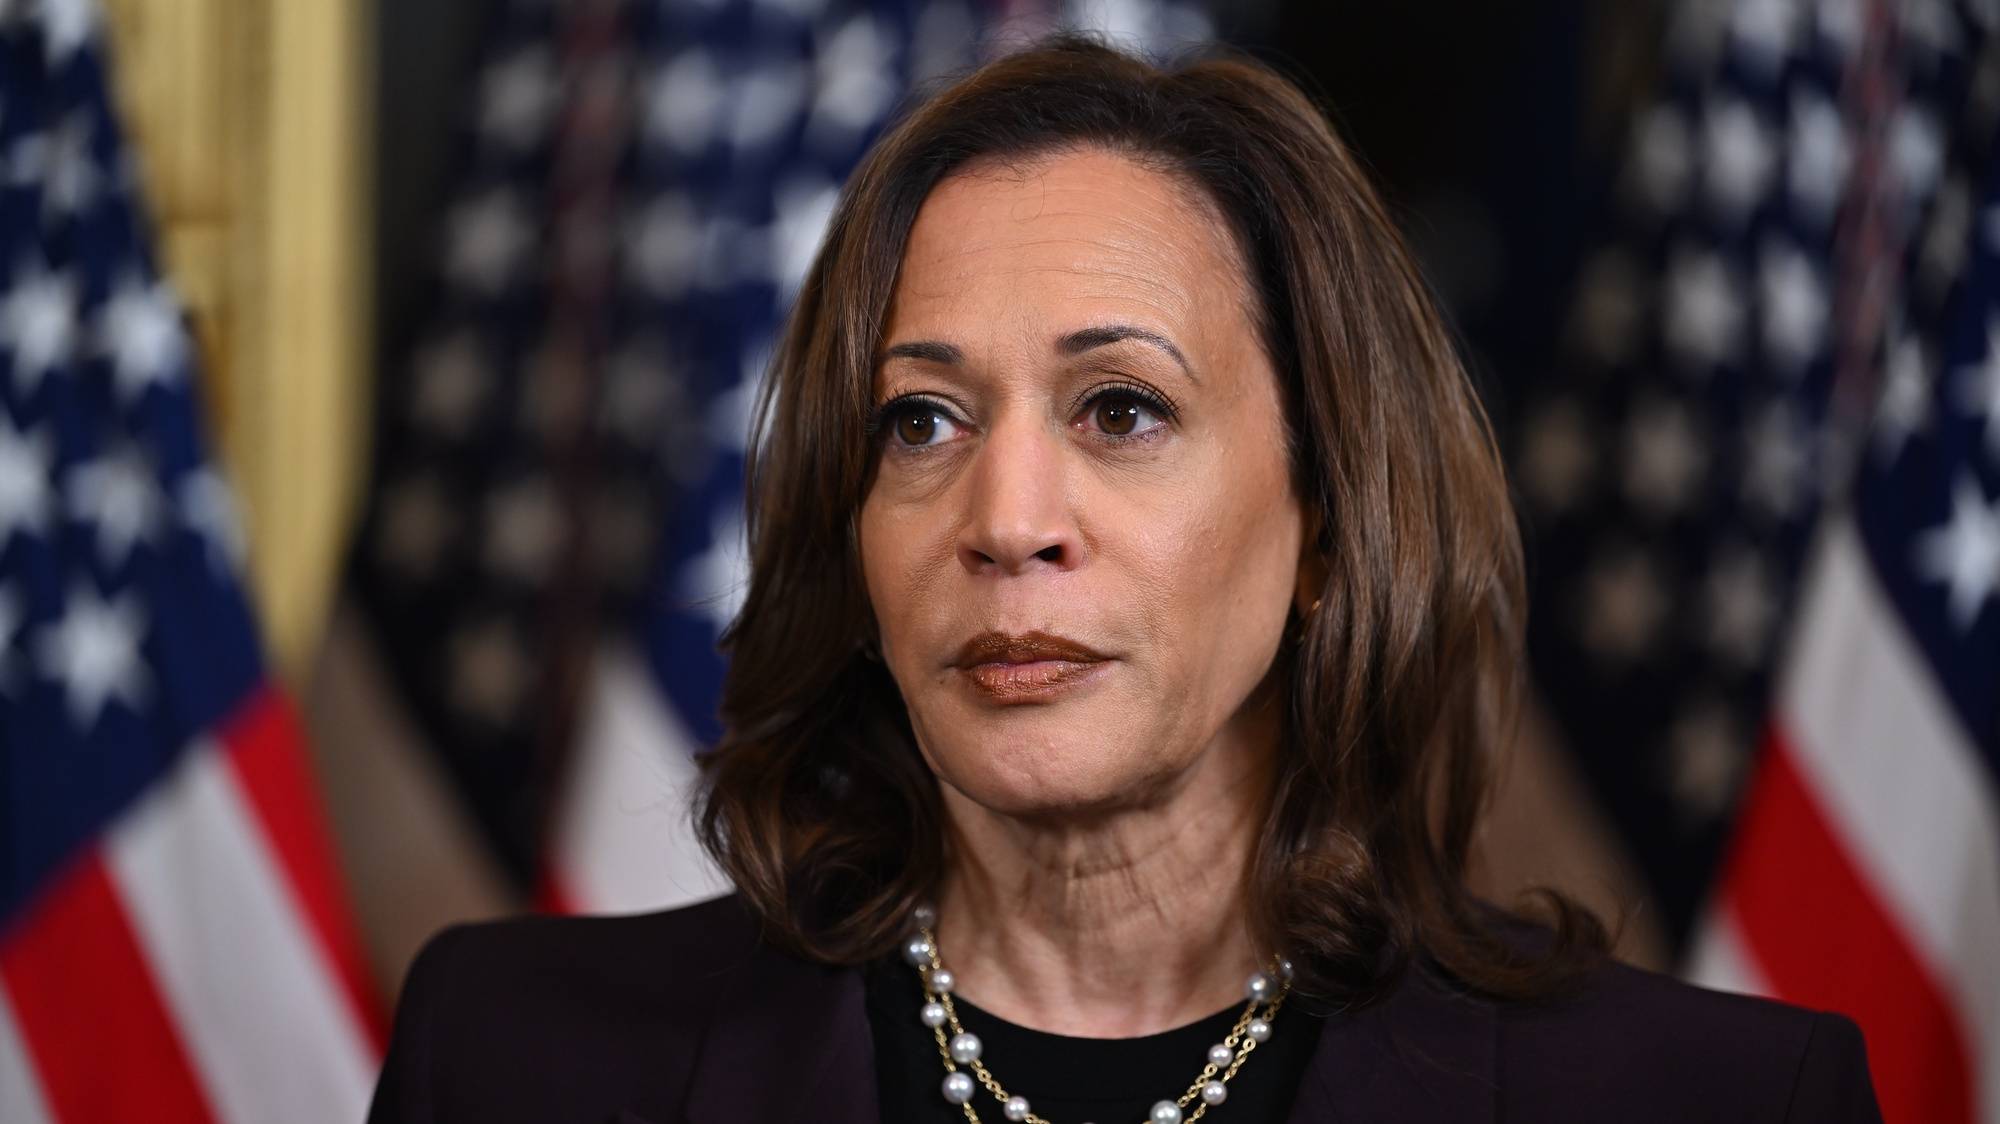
[(1123, 415), (918, 424)]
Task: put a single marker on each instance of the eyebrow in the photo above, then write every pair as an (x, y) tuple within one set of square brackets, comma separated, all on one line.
[(1075, 343)]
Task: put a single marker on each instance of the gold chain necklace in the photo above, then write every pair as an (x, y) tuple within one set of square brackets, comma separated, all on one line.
[(962, 1050)]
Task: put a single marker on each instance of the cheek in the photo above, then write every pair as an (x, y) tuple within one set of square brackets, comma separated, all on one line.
[(903, 557), (1219, 566)]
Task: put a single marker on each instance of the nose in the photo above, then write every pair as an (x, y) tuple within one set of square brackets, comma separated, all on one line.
[(1018, 515)]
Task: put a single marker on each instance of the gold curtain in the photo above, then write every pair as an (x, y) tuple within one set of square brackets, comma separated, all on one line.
[(248, 117)]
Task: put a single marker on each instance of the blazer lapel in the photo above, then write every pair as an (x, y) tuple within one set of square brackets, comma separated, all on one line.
[(791, 1045), (1421, 1055)]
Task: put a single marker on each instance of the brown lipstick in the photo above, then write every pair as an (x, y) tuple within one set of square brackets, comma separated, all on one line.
[(1026, 667)]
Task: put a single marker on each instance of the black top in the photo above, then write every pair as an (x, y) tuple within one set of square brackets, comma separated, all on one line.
[(690, 1016), (1073, 1080)]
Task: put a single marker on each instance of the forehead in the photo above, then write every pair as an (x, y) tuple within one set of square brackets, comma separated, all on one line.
[(1067, 238)]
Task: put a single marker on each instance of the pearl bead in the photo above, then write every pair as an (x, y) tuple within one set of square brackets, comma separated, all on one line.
[(1220, 1056), (958, 1086), (1016, 1108), (932, 1015), (917, 951), (1214, 1093), (925, 917), (1261, 988), (1258, 1030), (942, 980), (1166, 1112), (964, 1048), (1285, 970)]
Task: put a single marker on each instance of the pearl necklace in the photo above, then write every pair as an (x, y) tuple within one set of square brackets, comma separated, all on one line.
[(1264, 990)]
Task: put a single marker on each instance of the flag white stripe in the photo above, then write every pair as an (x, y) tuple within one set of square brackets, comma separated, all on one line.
[(250, 992), (1721, 958), (21, 1100), (1881, 749), (624, 841)]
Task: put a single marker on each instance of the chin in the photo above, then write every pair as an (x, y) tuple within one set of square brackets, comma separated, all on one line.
[(1047, 763)]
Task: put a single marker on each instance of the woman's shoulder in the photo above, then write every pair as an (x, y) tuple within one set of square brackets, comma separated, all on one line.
[(1628, 1036), (671, 950), (579, 1009)]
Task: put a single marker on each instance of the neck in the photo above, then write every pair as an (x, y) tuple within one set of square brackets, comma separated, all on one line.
[(1112, 924)]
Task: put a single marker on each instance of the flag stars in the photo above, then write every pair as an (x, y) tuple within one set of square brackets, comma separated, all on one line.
[(716, 581), (1916, 152), (1794, 304), (1964, 553), (519, 95), (1928, 28), (684, 102), (804, 208), (59, 163), (1705, 759), (1557, 456), (1764, 31), (1740, 158), (664, 244), (1623, 606), (93, 652), (1776, 461), (1904, 408), (856, 83), (1663, 457), (1610, 302), (1704, 310), (486, 240), (452, 382), (142, 331), (26, 464), (66, 26), (208, 508), (1740, 607), (1663, 160), (37, 324), (1817, 157), (416, 523), (490, 671), (765, 101), (1947, 236), (117, 495), (524, 527)]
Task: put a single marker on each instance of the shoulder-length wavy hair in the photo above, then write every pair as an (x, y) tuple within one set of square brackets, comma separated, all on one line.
[(1402, 683)]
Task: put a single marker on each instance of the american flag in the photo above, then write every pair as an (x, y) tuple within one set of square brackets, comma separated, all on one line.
[(1864, 875), (1765, 487), (1673, 473), (174, 943), (645, 186)]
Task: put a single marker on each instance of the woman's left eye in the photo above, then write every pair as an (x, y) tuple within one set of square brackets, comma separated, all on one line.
[(1124, 415)]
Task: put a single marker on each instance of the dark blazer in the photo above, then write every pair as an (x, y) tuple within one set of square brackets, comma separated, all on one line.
[(684, 1017)]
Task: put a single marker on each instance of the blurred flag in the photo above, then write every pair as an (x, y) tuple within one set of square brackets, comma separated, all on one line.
[(1673, 473), (1864, 875), (555, 542), (174, 940)]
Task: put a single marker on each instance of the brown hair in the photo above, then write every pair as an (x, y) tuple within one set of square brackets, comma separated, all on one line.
[(1403, 684)]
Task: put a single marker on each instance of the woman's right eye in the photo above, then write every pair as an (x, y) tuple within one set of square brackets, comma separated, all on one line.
[(917, 424)]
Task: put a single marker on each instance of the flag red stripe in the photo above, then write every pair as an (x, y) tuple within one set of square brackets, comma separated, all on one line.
[(265, 749), (1823, 940), (86, 1000)]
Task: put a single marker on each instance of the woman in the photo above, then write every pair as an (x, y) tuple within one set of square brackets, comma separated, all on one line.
[(1134, 613)]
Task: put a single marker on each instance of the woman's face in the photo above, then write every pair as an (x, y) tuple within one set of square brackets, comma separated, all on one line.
[(1082, 538)]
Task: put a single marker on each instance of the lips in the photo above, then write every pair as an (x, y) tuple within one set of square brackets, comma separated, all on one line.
[(1027, 666)]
